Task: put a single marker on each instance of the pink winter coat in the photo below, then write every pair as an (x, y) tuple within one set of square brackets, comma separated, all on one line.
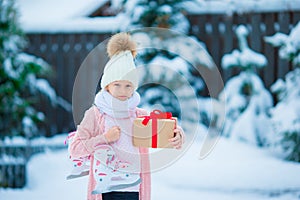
[(89, 135)]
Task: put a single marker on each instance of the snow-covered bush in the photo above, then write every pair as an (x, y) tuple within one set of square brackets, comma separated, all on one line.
[(246, 100), (22, 79), (286, 117), (289, 45), (286, 114)]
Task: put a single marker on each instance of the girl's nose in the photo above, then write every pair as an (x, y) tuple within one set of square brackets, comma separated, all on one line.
[(123, 90)]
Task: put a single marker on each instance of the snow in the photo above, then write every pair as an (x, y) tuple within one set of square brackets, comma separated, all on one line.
[(233, 170), (231, 6), (64, 16), (285, 116), (9, 70), (72, 15), (289, 44), (56, 9), (277, 40), (18, 141), (28, 125), (11, 159), (247, 116), (187, 47), (244, 57)]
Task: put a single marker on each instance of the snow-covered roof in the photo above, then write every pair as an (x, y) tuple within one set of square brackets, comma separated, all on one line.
[(72, 15), (64, 16)]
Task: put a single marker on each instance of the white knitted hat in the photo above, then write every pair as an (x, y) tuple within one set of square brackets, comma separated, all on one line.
[(121, 50)]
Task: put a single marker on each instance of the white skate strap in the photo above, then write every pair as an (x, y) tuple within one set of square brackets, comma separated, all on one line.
[(72, 176)]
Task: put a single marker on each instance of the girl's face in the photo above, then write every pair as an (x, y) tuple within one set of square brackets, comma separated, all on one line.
[(121, 90)]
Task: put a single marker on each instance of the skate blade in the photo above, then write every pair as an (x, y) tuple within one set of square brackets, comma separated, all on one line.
[(122, 186), (117, 187), (100, 192), (77, 176)]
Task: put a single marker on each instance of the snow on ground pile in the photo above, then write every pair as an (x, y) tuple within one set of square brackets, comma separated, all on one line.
[(232, 171), (47, 180)]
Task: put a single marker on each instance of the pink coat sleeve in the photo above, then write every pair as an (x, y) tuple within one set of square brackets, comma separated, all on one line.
[(88, 134)]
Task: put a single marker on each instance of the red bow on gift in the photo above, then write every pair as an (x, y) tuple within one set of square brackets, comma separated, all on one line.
[(154, 115)]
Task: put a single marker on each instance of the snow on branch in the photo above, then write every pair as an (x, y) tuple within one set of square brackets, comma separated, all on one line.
[(245, 58), (289, 45)]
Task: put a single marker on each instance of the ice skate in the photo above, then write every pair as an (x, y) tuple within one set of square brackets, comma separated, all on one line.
[(122, 178), (102, 171), (80, 168), (111, 174)]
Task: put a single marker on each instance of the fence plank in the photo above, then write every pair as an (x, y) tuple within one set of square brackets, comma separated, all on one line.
[(283, 21), (255, 33), (269, 71), (228, 43), (295, 20), (255, 40)]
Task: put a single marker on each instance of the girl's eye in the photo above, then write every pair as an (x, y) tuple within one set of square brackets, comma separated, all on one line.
[(129, 86), (117, 84)]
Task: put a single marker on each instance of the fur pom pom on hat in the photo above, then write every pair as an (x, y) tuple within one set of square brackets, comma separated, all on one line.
[(122, 50)]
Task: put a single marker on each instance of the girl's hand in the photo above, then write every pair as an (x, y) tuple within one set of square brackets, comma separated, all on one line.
[(113, 134), (177, 141)]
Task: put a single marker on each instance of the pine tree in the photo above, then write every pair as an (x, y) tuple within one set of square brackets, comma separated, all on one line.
[(164, 26), (245, 97), (162, 14), (285, 115), (21, 78)]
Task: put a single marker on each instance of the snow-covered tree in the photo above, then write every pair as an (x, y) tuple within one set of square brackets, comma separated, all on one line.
[(286, 114), (289, 45), (162, 14), (246, 100), (22, 79), (160, 27)]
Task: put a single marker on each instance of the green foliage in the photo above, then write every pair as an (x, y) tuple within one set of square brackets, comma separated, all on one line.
[(285, 116), (19, 73), (291, 144), (159, 13), (247, 89), (154, 16)]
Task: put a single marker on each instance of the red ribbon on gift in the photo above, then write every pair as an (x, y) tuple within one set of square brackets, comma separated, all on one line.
[(154, 115)]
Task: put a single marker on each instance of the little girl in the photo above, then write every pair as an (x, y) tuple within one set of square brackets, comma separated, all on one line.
[(105, 133)]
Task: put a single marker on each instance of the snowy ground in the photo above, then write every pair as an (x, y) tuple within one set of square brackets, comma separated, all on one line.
[(232, 171)]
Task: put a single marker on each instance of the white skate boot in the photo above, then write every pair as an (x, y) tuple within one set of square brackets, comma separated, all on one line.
[(122, 178), (80, 168), (102, 171), (110, 173)]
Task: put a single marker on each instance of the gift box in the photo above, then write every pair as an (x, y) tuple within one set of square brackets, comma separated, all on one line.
[(154, 130)]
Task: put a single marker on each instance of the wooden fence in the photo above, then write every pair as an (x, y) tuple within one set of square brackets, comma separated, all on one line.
[(65, 51), (14, 158), (13, 161), (217, 31)]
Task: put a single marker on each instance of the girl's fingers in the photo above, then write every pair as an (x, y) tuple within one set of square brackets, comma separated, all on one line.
[(177, 137), (176, 142), (178, 146)]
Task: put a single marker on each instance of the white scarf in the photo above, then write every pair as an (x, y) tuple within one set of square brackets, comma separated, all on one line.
[(116, 108)]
